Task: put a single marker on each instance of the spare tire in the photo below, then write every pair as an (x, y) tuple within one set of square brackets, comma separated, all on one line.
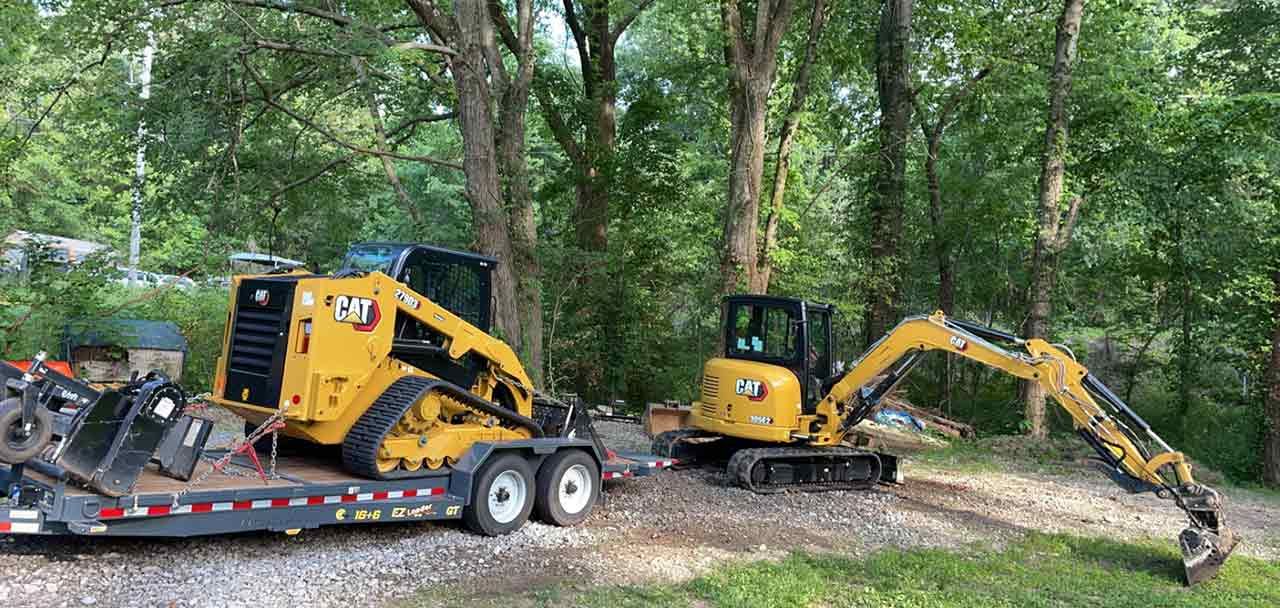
[(17, 443)]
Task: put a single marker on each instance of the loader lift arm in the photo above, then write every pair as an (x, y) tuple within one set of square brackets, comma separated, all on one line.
[(1116, 432)]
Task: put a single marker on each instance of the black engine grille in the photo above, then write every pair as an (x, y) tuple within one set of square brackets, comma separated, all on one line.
[(259, 340)]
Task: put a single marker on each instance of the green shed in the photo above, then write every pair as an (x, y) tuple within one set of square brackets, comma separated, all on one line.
[(112, 350)]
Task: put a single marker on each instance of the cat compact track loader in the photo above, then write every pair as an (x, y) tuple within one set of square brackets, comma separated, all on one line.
[(383, 394), (774, 405)]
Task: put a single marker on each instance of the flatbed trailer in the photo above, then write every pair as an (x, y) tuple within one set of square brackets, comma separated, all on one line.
[(305, 493)]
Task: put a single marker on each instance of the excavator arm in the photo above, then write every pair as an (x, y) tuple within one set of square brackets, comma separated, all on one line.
[(1129, 451)]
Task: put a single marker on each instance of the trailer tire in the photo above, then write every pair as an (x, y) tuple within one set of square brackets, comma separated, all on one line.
[(568, 487), (16, 446), (501, 496)]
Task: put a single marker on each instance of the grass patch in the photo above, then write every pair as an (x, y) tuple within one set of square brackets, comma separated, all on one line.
[(1002, 452), (1042, 570)]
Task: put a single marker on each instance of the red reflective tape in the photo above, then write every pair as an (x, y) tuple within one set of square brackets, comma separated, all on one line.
[(315, 500), (349, 498), (279, 502), (410, 493), (241, 505), (437, 491), (203, 507), (160, 510), (380, 495), (110, 513), (5, 526)]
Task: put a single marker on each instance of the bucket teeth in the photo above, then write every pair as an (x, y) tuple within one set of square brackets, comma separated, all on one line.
[(1204, 552)]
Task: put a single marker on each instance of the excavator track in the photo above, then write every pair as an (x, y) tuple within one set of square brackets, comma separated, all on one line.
[(772, 470), (360, 447)]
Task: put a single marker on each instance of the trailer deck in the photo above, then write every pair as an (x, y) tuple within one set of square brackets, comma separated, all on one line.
[(306, 493)]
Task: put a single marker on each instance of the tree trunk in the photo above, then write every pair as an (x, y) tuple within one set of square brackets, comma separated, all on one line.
[(790, 124), (140, 161), (893, 86), (483, 188), (592, 211), (746, 168), (595, 38), (512, 114), (1271, 449), (752, 61), (1052, 237)]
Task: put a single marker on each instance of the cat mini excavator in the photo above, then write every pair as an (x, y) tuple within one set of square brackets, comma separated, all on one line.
[(774, 406)]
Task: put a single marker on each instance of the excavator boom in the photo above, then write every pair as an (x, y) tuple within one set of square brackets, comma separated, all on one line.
[(1128, 450)]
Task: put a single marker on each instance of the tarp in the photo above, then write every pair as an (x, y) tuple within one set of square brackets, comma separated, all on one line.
[(126, 333)]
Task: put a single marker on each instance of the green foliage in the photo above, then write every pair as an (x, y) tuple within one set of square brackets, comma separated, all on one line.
[(1165, 292)]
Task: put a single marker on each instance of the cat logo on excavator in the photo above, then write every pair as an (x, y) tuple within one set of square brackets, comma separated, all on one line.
[(754, 390)]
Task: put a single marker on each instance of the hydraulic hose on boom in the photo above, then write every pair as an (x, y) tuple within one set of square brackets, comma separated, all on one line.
[(1121, 438)]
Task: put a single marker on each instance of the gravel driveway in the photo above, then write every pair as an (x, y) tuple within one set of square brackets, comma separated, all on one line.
[(668, 527)]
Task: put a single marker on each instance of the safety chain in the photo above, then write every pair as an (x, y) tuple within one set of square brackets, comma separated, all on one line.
[(272, 423)]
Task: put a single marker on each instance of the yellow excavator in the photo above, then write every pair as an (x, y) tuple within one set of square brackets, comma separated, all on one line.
[(775, 406)]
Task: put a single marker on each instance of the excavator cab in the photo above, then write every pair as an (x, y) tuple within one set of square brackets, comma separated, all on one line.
[(785, 332)]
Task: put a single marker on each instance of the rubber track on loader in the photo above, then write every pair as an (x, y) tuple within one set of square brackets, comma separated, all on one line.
[(744, 462), (360, 446)]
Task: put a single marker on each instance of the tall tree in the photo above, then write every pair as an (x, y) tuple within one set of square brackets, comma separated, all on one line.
[(513, 103), (1054, 233), (140, 158), (933, 133), (1271, 453), (595, 36), (786, 138), (752, 58), (888, 200), (492, 143)]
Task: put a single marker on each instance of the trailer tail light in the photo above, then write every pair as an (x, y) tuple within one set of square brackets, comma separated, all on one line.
[(304, 335)]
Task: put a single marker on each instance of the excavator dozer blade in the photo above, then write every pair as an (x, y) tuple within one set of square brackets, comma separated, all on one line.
[(1204, 552)]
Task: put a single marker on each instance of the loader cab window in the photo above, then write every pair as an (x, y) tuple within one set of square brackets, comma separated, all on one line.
[(460, 286), (370, 258)]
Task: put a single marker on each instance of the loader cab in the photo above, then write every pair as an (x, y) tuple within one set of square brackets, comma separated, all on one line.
[(785, 332), (459, 281)]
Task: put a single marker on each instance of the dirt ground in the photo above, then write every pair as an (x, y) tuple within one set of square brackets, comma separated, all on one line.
[(666, 528)]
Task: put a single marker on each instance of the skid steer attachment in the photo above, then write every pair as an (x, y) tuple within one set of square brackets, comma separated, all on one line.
[(101, 439)]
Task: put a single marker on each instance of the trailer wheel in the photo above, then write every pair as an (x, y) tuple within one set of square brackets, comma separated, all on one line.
[(501, 497), (17, 444), (568, 486)]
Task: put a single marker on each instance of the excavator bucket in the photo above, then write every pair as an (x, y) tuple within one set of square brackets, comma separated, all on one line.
[(1204, 552), (1207, 542)]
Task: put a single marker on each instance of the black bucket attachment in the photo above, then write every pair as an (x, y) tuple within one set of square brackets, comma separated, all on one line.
[(1207, 542), (1204, 552)]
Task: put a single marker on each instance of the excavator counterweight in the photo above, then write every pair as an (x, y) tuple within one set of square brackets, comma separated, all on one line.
[(777, 405)]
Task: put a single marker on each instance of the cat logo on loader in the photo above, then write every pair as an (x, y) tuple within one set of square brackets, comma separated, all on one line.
[(363, 313)]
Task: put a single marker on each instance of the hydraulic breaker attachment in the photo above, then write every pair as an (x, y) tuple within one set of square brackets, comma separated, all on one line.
[(1207, 542)]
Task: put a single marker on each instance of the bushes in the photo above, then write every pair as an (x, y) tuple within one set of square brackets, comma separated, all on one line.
[(34, 311)]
